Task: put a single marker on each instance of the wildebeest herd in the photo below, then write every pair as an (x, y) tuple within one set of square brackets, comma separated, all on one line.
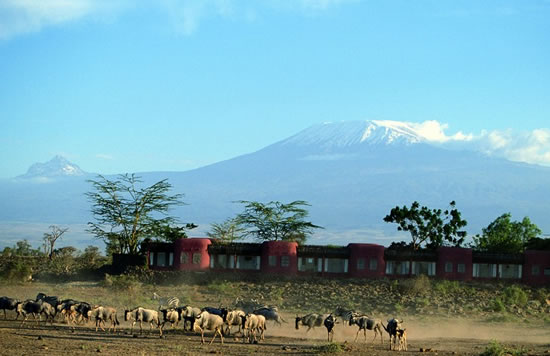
[(249, 317)]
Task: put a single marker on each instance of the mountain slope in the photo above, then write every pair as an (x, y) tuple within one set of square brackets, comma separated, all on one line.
[(351, 173)]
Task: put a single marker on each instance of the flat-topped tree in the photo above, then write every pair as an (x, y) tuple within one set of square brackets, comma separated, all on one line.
[(276, 221), (126, 214)]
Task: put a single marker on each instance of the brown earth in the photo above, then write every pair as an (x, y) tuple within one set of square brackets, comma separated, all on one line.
[(457, 333)]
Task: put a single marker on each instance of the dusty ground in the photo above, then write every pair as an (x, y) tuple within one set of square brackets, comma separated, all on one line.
[(439, 337), (440, 334)]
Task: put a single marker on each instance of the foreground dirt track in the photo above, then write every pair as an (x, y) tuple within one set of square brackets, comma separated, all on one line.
[(59, 339)]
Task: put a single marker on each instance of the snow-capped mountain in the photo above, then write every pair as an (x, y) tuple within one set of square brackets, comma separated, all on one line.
[(351, 173), (350, 133), (54, 168)]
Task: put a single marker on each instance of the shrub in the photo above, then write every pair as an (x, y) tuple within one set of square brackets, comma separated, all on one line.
[(515, 295), (121, 283), (330, 348), (496, 349), (17, 270), (498, 305), (447, 287)]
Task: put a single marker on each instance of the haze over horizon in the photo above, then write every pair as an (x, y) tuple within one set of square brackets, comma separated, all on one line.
[(119, 86)]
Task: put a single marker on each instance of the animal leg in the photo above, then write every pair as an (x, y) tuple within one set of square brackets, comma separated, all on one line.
[(357, 335)]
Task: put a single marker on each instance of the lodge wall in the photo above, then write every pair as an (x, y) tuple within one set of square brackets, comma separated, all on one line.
[(355, 260)]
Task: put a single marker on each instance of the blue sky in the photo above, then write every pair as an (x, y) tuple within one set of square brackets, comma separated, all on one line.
[(130, 86)]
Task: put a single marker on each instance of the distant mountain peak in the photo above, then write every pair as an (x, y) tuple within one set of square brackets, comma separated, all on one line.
[(57, 167), (350, 133)]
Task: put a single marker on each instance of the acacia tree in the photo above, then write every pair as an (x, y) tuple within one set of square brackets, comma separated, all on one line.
[(276, 221), (506, 236), (227, 231), (126, 214), (50, 239), (431, 226)]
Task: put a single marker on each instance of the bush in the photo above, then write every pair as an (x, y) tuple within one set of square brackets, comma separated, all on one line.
[(515, 295), (121, 283), (447, 287), (17, 270), (496, 349), (330, 348), (498, 305)]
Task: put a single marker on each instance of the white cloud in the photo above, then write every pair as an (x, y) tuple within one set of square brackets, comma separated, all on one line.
[(434, 131), (530, 147), (19, 17)]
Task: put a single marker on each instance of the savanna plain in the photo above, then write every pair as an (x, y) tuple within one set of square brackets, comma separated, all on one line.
[(441, 317)]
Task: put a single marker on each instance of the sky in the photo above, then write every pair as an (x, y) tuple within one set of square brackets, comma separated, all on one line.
[(120, 86)]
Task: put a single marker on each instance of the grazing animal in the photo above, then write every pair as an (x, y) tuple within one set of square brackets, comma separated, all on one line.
[(67, 308), (312, 320), (345, 314), (365, 323), (52, 300), (251, 323), (189, 314), (166, 302), (233, 318), (270, 313), (248, 306), (392, 327), (402, 340), (216, 311), (329, 323), (172, 316), (82, 310), (143, 315), (102, 315), (9, 304), (207, 321), (35, 308)]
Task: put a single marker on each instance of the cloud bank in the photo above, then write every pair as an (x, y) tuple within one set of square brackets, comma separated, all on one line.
[(526, 146)]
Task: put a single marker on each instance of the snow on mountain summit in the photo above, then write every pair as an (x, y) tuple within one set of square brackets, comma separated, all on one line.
[(56, 167), (374, 132)]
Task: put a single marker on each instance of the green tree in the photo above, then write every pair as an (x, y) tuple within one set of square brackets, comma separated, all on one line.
[(227, 231), (506, 236), (276, 221), (126, 214), (172, 233), (434, 227), (91, 258), (50, 239)]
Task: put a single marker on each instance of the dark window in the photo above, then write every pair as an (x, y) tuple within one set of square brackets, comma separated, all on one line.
[(197, 257), (373, 264), (361, 263), (285, 261), (448, 267), (184, 258), (461, 268), (547, 271), (535, 270), (272, 260)]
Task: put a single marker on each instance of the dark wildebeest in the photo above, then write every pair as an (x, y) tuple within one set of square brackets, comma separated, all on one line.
[(329, 323)]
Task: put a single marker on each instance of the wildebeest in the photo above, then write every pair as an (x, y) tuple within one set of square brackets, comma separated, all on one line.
[(52, 300), (393, 326), (365, 323), (102, 315), (329, 323), (35, 308), (216, 311), (189, 314), (9, 304), (172, 316), (233, 318), (402, 339), (270, 313), (312, 320), (251, 323), (207, 321), (143, 315)]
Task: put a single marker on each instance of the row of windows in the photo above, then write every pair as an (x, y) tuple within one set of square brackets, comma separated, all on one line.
[(340, 265)]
